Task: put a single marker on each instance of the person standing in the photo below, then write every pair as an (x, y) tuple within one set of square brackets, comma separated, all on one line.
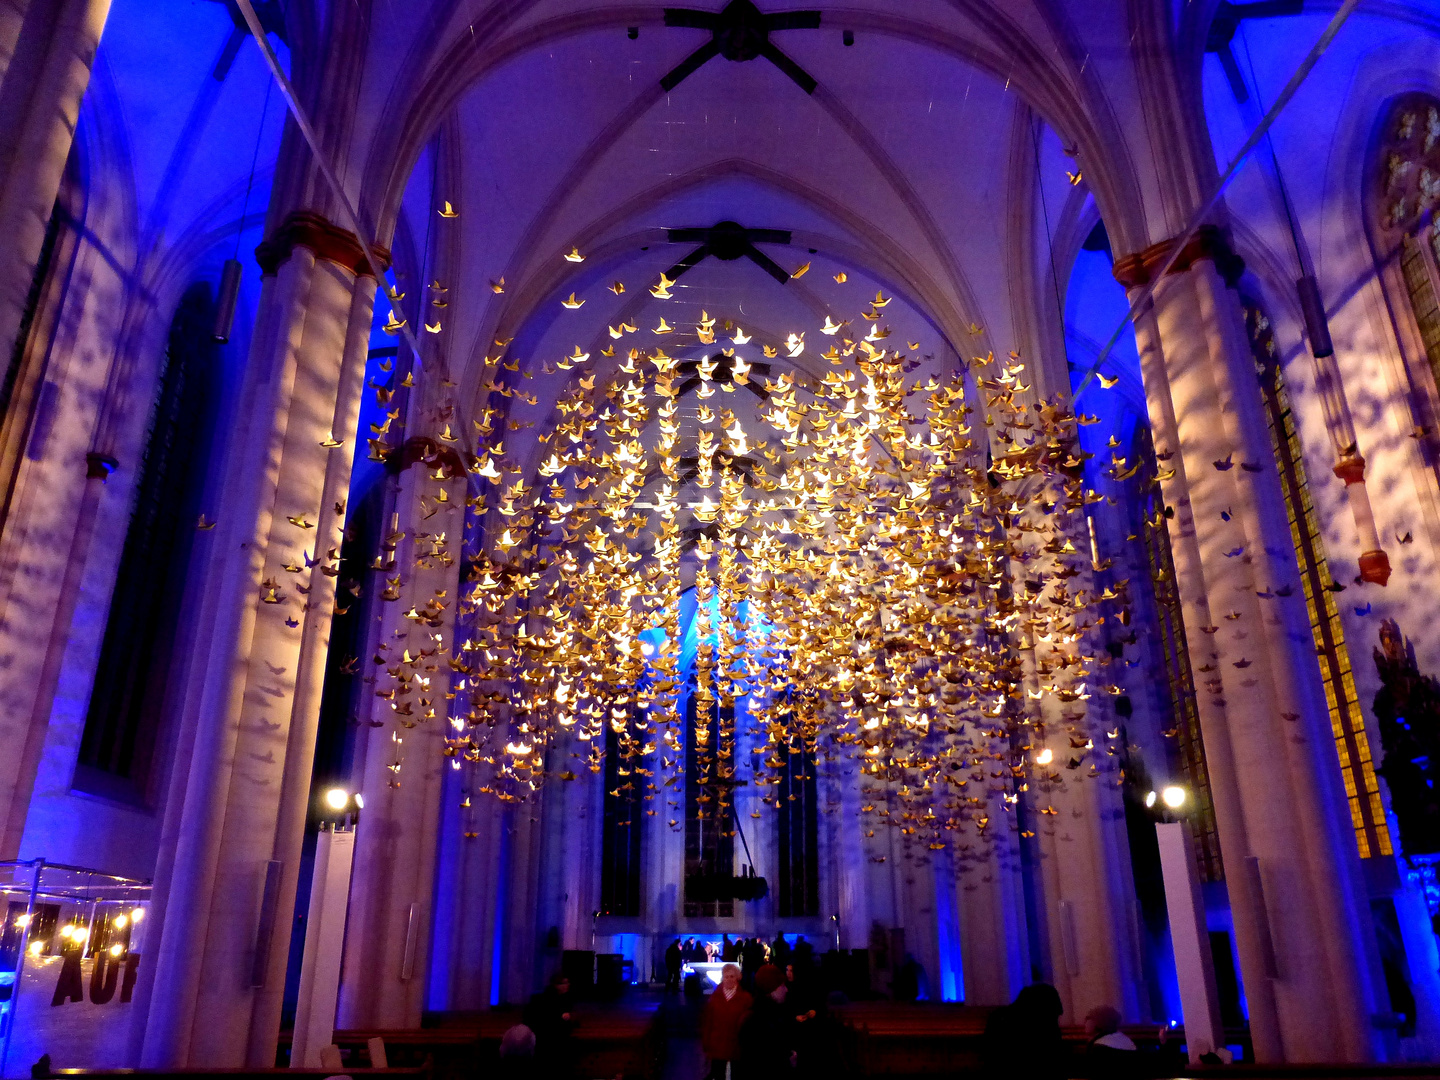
[(548, 1016), (725, 1013), (767, 1041), (1023, 1040), (674, 961)]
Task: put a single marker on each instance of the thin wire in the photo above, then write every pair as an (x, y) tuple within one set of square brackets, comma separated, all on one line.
[(259, 137), (1203, 211), (1050, 246), (352, 218)]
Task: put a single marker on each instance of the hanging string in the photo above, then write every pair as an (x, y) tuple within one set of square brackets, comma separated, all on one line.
[(1050, 246), (259, 137)]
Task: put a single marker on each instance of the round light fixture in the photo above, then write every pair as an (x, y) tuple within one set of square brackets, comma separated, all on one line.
[(1173, 797), (119, 922), (1044, 757), (136, 914), (1149, 799), (337, 798)]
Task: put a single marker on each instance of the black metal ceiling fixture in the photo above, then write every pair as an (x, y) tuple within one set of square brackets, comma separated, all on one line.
[(724, 372), (728, 241), (740, 31), (1228, 18)]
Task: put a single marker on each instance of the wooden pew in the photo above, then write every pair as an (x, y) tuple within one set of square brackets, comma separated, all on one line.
[(609, 1039), (419, 1073)]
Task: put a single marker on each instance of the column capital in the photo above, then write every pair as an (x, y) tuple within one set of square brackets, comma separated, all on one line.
[(1208, 242), (305, 228)]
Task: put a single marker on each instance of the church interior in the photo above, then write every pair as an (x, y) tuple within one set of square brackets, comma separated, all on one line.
[(513, 507)]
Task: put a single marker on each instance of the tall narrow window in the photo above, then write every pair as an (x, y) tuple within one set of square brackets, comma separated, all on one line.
[(1357, 770), (798, 821), (709, 832), (624, 817), (1405, 192), (1170, 628), (128, 696)]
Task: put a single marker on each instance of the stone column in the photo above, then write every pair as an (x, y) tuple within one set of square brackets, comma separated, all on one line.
[(225, 818), (1288, 873), (47, 48), (387, 944)]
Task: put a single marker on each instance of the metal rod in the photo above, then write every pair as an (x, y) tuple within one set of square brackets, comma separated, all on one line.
[(1203, 211)]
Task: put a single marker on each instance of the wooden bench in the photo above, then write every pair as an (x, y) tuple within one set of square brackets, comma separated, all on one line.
[(418, 1073), (609, 1039)]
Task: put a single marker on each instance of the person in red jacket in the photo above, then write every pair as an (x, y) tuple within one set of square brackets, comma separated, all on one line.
[(725, 1014)]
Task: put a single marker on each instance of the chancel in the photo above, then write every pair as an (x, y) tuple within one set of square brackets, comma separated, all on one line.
[(590, 539)]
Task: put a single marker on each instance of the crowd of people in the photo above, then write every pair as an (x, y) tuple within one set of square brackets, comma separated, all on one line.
[(768, 1018), (776, 1028), (749, 953)]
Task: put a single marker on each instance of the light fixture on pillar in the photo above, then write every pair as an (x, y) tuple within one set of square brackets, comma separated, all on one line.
[(1173, 796)]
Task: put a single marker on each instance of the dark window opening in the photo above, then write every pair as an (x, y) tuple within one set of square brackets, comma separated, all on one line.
[(709, 828), (128, 696), (798, 821), (624, 816)]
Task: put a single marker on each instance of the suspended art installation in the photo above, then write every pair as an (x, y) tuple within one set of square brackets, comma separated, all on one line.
[(890, 564)]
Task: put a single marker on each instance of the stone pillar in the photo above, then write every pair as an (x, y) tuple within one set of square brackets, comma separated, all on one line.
[(387, 944), (1314, 1000), (47, 48), (994, 941), (268, 630)]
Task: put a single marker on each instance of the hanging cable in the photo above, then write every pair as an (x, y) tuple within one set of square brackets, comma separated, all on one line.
[(229, 293), (1203, 210), (307, 131)]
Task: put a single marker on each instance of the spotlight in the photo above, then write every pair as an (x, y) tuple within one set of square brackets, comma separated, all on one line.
[(1044, 757), (115, 950), (1149, 799), (136, 914), (22, 921), (67, 931), (337, 798), (1173, 797), (36, 947), (359, 801), (119, 922)]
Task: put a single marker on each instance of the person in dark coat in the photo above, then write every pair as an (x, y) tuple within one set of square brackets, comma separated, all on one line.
[(767, 1041), (1023, 1040), (780, 951), (674, 961), (548, 1015)]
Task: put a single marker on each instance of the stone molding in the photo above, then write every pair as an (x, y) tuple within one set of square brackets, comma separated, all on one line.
[(1207, 243), (304, 228)]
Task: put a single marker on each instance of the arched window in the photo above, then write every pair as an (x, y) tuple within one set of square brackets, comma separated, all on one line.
[(1147, 509), (1404, 191), (1357, 770), (131, 680)]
